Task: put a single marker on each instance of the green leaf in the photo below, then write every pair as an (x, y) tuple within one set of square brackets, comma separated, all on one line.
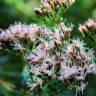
[(67, 92)]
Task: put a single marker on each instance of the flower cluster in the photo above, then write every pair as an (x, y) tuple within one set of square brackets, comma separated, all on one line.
[(48, 6), (74, 62), (77, 62), (18, 30), (19, 35), (50, 53)]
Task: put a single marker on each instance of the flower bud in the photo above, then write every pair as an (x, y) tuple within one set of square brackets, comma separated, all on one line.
[(82, 29)]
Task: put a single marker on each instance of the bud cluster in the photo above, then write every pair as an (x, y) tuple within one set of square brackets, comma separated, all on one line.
[(89, 27), (48, 6)]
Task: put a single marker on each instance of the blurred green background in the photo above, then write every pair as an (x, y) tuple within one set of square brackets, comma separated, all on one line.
[(11, 65)]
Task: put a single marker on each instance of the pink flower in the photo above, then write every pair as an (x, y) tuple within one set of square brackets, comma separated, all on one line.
[(90, 23)]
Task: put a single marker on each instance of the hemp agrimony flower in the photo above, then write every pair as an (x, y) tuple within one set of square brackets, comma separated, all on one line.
[(73, 63), (50, 54)]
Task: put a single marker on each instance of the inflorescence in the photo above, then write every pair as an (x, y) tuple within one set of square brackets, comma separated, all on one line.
[(33, 35), (89, 28), (49, 6), (51, 53)]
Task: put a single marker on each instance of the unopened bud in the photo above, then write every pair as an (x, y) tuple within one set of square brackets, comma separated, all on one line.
[(82, 29)]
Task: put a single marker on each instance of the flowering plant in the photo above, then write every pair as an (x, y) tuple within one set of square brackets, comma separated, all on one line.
[(54, 58)]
